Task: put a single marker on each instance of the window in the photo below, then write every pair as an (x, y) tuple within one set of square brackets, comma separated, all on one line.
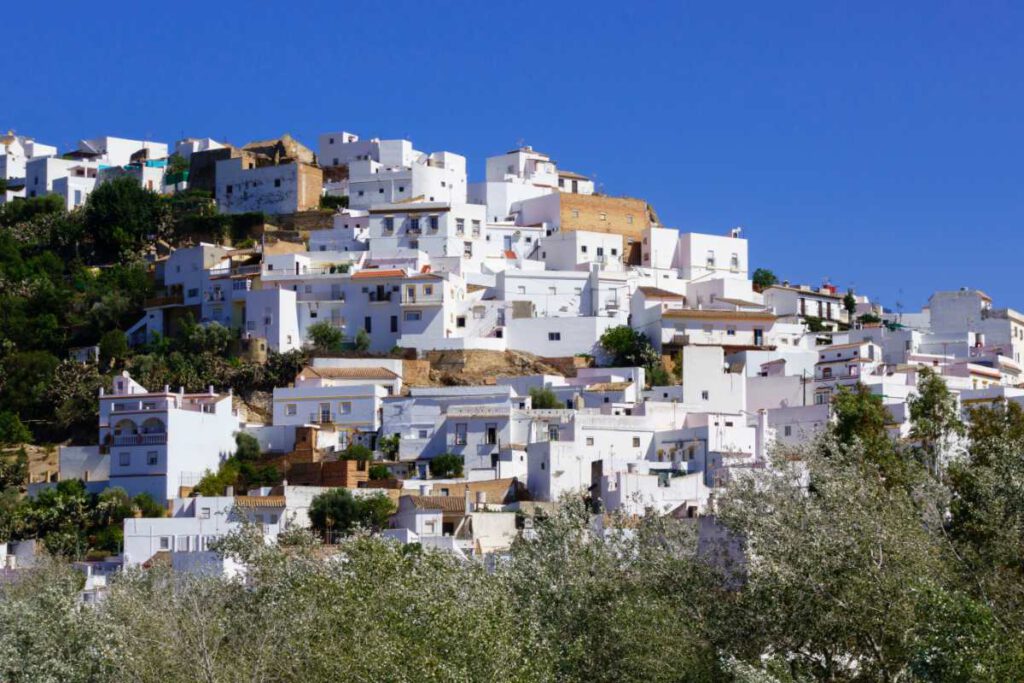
[(428, 290), (228, 189), (422, 434), (491, 431), (600, 251), (414, 225), (615, 252), (204, 513), (730, 331), (277, 182), (291, 409), (705, 395), (152, 458), (124, 459), (412, 316), (460, 434), (360, 193), (394, 323), (521, 289), (554, 336), (636, 442), (590, 441), (575, 213), (273, 518), (368, 324), (711, 259), (192, 293), (389, 224), (165, 543), (734, 262), (826, 373), (602, 216), (553, 432), (583, 249), (433, 223), (629, 218), (380, 190), (401, 188), (787, 430), (345, 408), (460, 321), (552, 290)]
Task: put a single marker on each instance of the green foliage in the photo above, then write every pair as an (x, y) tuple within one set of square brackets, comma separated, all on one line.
[(27, 376), (850, 303), (868, 319), (362, 341), (379, 472), (123, 218), (445, 466), (332, 202), (177, 164), (242, 471), (148, 507), (934, 418), (338, 512), (628, 348), (12, 430), (357, 451), (542, 398), (860, 419), (389, 446), (814, 324), (325, 337), (763, 279), (113, 347)]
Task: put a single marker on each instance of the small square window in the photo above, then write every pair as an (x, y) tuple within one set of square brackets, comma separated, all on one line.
[(124, 459), (705, 395), (590, 441), (291, 409), (636, 442), (152, 458)]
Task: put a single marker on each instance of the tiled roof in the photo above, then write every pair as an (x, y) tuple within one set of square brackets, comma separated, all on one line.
[(379, 272), (609, 386), (443, 503), (722, 315), (349, 373), (259, 501), (659, 293)]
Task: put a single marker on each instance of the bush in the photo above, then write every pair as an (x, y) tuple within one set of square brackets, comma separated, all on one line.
[(445, 466), (12, 430), (113, 347), (542, 398), (362, 341), (357, 451), (338, 511), (379, 473), (325, 337)]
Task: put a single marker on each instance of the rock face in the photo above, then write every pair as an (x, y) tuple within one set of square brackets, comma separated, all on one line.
[(465, 368)]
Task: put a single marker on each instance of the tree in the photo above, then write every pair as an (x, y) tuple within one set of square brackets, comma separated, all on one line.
[(12, 430), (72, 394), (113, 347), (379, 472), (389, 446), (326, 337), (542, 398), (859, 430), (338, 512), (934, 419), (763, 279), (850, 303), (122, 217), (445, 466), (362, 341), (357, 451), (26, 381), (628, 348), (247, 447)]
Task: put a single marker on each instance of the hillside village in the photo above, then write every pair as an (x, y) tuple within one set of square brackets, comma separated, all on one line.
[(457, 356)]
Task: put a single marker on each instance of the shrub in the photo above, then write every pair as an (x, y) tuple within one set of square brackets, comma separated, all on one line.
[(445, 466)]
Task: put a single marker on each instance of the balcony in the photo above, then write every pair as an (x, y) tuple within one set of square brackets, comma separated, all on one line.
[(176, 299), (379, 297), (422, 300), (321, 419), (157, 439)]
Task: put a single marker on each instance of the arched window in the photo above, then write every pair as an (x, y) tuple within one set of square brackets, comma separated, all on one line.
[(153, 426), (125, 428)]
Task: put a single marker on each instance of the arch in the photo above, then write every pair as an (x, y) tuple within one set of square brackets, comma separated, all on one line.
[(154, 425), (125, 427)]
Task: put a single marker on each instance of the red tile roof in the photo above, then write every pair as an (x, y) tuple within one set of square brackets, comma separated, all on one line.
[(379, 272)]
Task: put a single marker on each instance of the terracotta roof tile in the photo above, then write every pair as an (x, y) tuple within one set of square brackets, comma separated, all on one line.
[(379, 272), (349, 373)]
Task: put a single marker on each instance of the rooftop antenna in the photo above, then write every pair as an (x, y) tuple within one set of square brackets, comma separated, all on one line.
[(520, 143)]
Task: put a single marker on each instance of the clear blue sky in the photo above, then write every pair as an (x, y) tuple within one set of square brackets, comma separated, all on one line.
[(875, 144)]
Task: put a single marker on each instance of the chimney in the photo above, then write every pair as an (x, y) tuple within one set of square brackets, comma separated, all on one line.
[(631, 467), (760, 435), (481, 498), (424, 489), (229, 491), (466, 497)]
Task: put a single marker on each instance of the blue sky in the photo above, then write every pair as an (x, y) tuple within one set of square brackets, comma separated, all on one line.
[(876, 144)]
